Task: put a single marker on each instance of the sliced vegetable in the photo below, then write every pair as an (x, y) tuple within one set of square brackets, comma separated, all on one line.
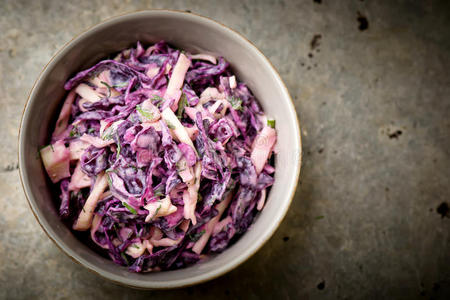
[(84, 220), (56, 159)]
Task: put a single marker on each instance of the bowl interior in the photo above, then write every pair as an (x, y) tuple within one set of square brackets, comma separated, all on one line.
[(195, 34)]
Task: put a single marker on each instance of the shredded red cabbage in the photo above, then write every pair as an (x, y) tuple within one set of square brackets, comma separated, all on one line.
[(162, 156)]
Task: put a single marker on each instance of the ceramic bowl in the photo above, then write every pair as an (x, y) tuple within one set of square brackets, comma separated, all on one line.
[(195, 34)]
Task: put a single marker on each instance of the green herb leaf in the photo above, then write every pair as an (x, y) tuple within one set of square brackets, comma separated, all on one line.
[(109, 179), (170, 125), (108, 86), (236, 103), (108, 133), (136, 246), (118, 145), (182, 104), (196, 236), (74, 132), (51, 147), (121, 85), (38, 153), (319, 217), (91, 130), (124, 258), (144, 112), (156, 97), (158, 194), (271, 123), (132, 210), (156, 211)]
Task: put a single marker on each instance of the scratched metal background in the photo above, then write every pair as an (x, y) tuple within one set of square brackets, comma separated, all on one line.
[(373, 96)]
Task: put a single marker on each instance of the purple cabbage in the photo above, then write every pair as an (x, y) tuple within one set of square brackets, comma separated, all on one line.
[(94, 160), (143, 162)]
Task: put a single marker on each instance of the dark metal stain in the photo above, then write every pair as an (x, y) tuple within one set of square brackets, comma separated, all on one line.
[(320, 150), (11, 167), (443, 209), (363, 23), (317, 1), (315, 42), (286, 238), (395, 135), (321, 285)]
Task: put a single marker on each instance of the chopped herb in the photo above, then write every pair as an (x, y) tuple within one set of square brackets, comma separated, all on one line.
[(51, 147), (183, 103), (157, 98), (170, 125), (136, 246), (132, 210), (236, 103), (129, 235), (215, 139), (158, 194), (91, 130), (196, 236), (74, 132), (319, 217), (108, 133), (107, 136), (108, 86), (144, 113), (118, 144), (124, 258), (38, 153), (199, 198), (109, 178), (121, 85), (271, 123), (156, 211)]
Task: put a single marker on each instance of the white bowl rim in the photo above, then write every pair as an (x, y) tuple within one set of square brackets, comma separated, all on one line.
[(232, 264)]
